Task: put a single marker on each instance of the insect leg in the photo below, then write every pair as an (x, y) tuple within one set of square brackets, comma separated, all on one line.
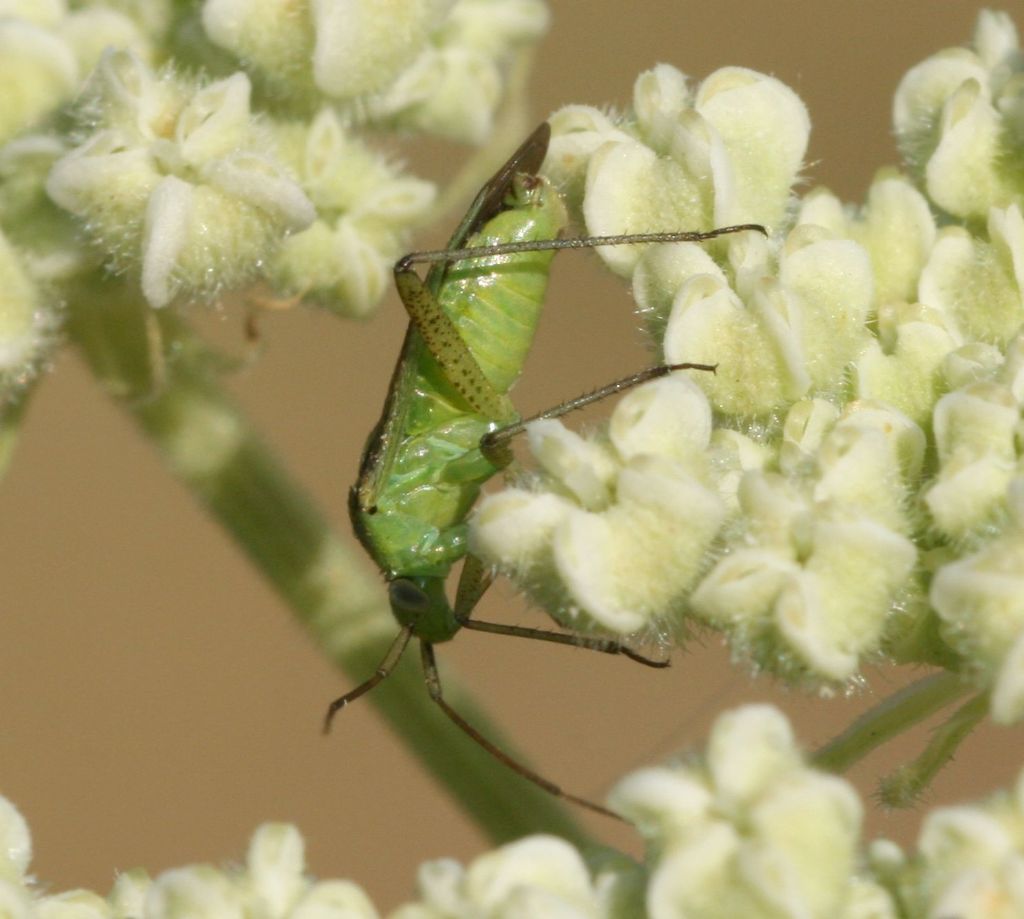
[(433, 681), (494, 442), (604, 645), (448, 348), (575, 242), (475, 579), (383, 671)]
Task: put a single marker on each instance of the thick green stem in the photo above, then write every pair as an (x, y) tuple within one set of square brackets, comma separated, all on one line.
[(890, 718), (211, 447)]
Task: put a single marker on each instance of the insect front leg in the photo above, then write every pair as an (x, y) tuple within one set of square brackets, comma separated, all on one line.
[(382, 672), (474, 579)]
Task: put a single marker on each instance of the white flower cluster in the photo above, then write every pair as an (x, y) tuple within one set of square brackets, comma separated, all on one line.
[(434, 65), (343, 259), (271, 884), (848, 483), (174, 177), (746, 830), (45, 53), (191, 179)]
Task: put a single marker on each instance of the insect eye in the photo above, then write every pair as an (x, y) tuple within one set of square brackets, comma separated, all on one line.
[(406, 595)]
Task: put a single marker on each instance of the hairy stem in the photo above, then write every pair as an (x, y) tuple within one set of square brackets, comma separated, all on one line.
[(210, 446), (903, 788), (890, 718)]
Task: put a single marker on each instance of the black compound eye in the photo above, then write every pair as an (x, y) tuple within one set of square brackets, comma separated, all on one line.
[(407, 595)]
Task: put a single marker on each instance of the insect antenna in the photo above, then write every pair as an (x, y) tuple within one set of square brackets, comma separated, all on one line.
[(382, 672), (433, 680), (575, 242)]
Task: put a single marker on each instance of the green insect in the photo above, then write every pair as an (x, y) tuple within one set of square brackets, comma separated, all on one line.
[(448, 420)]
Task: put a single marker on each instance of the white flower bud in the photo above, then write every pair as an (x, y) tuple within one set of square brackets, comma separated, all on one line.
[(128, 895), (584, 469), (362, 45), (660, 274), (73, 904), (276, 862), (28, 322), (752, 832), (630, 189), (898, 231), (577, 131), (38, 72), (334, 900), (757, 347), (15, 843), (669, 417), (979, 599), (903, 367), (638, 559), (197, 892), (954, 116), (364, 209), (975, 432), (742, 105), (90, 32), (832, 283)]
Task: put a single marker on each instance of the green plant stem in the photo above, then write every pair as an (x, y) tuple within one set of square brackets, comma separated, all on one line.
[(904, 786), (210, 446), (889, 718)]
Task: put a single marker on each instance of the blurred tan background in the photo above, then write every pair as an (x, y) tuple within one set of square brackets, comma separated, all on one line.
[(157, 701)]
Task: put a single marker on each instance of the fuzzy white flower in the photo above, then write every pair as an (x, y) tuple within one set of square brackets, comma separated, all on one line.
[(434, 65), (535, 876), (364, 207), (980, 599), (45, 53), (957, 118), (970, 861), (895, 226), (775, 335), (38, 72), (810, 584), (623, 537), (749, 831), (725, 153), (979, 283), (174, 181), (29, 318)]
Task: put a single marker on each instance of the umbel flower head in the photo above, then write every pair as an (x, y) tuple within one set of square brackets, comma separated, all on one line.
[(744, 829), (845, 486)]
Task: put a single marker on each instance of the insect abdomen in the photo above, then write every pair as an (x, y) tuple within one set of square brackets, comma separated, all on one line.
[(495, 302)]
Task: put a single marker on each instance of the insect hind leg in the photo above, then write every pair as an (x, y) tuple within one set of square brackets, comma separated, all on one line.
[(494, 444), (433, 681)]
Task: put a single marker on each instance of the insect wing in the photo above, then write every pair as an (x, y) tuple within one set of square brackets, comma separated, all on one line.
[(489, 200)]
